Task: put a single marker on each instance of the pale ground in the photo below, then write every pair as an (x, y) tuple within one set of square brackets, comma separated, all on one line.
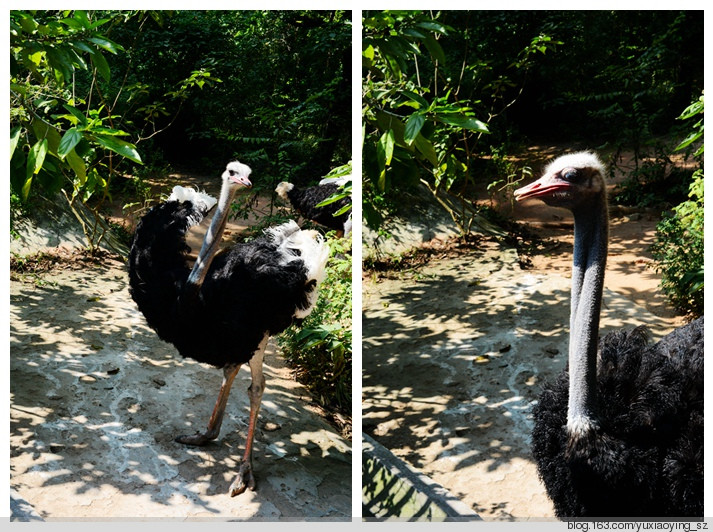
[(456, 352), (97, 399)]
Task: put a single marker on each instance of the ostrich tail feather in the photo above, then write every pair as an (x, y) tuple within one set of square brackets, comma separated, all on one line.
[(308, 246), (202, 202)]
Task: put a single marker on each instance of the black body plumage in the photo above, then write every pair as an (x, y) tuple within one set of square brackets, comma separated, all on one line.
[(250, 290), (305, 201), (646, 458)]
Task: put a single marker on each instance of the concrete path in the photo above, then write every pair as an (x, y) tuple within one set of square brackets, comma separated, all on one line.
[(97, 398), (454, 355)]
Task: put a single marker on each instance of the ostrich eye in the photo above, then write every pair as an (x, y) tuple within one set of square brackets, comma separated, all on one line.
[(569, 175), (231, 172)]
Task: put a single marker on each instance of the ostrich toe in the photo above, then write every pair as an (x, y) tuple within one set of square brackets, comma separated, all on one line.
[(243, 480)]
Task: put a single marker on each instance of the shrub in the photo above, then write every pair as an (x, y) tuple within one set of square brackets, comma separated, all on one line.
[(678, 249), (321, 348)]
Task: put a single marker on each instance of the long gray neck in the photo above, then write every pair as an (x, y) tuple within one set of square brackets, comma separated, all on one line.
[(211, 242), (590, 257)]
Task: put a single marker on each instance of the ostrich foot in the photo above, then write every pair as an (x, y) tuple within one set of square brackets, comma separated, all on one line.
[(244, 480), (199, 439)]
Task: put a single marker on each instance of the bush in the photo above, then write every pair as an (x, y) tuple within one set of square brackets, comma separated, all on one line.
[(321, 348), (678, 249)]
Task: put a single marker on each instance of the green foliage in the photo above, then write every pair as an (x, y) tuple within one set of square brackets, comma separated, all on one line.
[(678, 249), (696, 133), (321, 347), (344, 191), (63, 133), (418, 127), (51, 139), (285, 96), (97, 93), (624, 79)]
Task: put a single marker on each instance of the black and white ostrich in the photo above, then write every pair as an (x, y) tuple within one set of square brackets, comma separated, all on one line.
[(305, 201), (224, 309), (620, 433)]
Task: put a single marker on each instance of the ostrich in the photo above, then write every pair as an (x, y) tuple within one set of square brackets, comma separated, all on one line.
[(620, 432), (223, 310), (305, 201)]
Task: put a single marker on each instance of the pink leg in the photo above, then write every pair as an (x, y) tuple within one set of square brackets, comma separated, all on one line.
[(245, 478), (216, 419)]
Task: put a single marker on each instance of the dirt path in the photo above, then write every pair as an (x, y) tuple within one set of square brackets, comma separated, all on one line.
[(456, 351)]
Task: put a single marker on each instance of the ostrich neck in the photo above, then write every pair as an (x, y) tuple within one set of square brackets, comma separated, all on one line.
[(590, 257), (211, 242)]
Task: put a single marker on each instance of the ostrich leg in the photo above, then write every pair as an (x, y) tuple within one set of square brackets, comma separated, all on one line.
[(216, 418), (245, 478)]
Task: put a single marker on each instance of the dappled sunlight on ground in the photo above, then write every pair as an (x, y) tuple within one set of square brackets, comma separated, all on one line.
[(97, 400), (456, 351)]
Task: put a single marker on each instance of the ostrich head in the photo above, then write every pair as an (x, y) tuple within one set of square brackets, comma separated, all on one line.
[(283, 188), (236, 175), (569, 181), (576, 182)]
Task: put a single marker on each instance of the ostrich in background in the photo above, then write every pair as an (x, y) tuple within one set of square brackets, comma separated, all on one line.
[(305, 201), (224, 309), (620, 432)]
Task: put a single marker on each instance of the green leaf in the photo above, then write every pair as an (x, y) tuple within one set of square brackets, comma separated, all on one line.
[(60, 63), (368, 52), (343, 210), (35, 160), (101, 65), (119, 146), (43, 130), (75, 58), (76, 113), (435, 49), (384, 153), (76, 163), (387, 121), (432, 26), (68, 142), (416, 98), (413, 127), (331, 199), (14, 138), (692, 110), (81, 17), (98, 23), (425, 148), (106, 44), (103, 130), (82, 47), (36, 157), (464, 122), (691, 138), (386, 146), (72, 23), (26, 188), (414, 33), (28, 23)]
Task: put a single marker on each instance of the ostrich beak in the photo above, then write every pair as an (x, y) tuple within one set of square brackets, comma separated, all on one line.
[(544, 186), (241, 180)]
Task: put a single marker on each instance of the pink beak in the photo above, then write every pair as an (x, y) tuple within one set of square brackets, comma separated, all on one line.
[(241, 180), (542, 187)]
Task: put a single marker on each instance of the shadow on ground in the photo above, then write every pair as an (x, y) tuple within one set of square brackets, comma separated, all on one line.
[(455, 354), (97, 399)]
